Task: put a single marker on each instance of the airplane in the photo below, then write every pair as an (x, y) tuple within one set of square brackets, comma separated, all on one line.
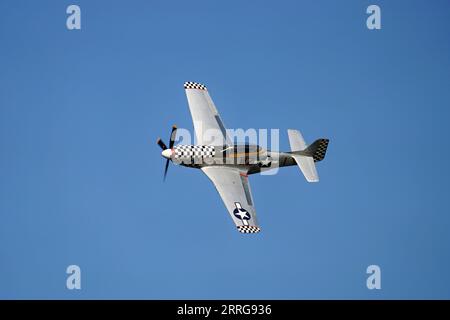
[(228, 165)]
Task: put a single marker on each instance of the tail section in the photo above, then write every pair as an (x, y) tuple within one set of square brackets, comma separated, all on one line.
[(306, 164), (304, 156), (317, 150), (296, 140)]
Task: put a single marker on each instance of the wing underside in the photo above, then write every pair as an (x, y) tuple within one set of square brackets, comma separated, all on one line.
[(234, 189), (209, 128)]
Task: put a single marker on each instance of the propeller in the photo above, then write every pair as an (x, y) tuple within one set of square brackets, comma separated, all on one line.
[(173, 135), (163, 146)]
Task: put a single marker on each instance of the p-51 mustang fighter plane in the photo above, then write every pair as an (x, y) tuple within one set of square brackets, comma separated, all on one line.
[(228, 165)]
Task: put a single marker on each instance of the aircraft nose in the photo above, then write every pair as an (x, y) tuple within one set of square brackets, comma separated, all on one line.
[(167, 153)]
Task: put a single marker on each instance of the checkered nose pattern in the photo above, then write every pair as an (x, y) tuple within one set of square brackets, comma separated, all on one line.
[(190, 151)]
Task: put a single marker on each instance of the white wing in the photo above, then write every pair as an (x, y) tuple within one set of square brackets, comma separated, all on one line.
[(209, 128), (234, 188)]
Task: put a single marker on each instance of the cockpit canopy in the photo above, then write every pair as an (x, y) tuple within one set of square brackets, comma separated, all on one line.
[(243, 148)]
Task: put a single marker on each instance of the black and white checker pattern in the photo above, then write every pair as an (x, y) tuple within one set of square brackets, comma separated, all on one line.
[(321, 150), (248, 229), (194, 85), (190, 151)]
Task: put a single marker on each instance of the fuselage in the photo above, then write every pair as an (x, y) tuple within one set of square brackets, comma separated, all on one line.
[(252, 158)]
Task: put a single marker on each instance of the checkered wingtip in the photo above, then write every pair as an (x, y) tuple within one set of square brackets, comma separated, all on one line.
[(194, 85), (248, 229)]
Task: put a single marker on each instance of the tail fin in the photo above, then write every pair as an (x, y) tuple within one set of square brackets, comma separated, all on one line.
[(306, 156), (317, 150), (296, 140)]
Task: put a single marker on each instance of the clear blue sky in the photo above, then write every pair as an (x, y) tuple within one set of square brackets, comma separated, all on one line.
[(81, 174)]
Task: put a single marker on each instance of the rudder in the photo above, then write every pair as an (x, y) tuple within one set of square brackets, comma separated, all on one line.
[(317, 150)]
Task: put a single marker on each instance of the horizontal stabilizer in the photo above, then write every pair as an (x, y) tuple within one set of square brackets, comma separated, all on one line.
[(307, 166)]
